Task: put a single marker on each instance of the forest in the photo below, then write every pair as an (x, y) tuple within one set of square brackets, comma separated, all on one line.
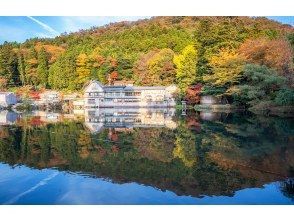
[(247, 60)]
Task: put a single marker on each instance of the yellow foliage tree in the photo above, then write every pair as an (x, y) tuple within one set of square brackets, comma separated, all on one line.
[(227, 68), (186, 67), (185, 146), (83, 69)]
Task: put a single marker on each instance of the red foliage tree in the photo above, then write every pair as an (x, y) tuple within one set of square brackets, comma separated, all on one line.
[(193, 94), (112, 77)]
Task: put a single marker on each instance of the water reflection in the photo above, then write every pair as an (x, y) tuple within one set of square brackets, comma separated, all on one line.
[(201, 154)]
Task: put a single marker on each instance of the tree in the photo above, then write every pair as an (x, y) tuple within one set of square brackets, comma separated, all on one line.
[(21, 69), (142, 75), (82, 69), (226, 69), (3, 83), (193, 94), (162, 68), (31, 67), (260, 83), (285, 97), (275, 54), (42, 69), (186, 67), (155, 68), (185, 146), (62, 74), (112, 77), (8, 64)]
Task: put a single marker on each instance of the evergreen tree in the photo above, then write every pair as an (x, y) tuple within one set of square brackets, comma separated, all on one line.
[(21, 69), (42, 69), (8, 64)]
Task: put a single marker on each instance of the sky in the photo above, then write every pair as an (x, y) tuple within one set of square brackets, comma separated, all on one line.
[(21, 28)]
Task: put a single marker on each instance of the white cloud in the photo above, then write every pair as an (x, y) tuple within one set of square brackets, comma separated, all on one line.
[(45, 26)]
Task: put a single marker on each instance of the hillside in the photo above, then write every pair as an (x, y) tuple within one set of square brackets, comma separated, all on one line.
[(242, 58)]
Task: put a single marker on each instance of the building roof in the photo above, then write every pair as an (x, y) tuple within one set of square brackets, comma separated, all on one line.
[(125, 87)]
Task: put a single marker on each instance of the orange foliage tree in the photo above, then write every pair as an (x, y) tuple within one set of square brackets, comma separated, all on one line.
[(3, 83), (112, 77), (275, 54)]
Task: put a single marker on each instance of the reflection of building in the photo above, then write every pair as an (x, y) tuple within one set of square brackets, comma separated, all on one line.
[(96, 95), (49, 117), (96, 119), (208, 100), (7, 117)]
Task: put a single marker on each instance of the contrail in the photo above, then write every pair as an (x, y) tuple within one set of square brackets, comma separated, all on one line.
[(41, 183), (45, 26)]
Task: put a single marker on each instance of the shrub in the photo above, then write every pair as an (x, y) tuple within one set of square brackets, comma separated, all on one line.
[(285, 97)]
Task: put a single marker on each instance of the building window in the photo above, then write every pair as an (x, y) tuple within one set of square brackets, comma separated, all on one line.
[(132, 93)]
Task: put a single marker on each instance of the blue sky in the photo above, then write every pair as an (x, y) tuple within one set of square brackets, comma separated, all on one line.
[(21, 28)]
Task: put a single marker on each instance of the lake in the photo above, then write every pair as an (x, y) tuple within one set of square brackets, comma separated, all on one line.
[(145, 156)]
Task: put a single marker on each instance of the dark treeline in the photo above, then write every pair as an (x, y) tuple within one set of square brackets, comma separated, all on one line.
[(244, 59)]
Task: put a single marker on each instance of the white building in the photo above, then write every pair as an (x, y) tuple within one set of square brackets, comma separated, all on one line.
[(7, 98), (97, 95)]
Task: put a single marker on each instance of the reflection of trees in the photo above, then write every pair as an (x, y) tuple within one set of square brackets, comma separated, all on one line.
[(287, 188), (218, 159), (155, 143), (185, 145), (241, 142)]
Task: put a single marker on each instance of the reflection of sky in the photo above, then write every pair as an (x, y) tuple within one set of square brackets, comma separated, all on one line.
[(22, 185)]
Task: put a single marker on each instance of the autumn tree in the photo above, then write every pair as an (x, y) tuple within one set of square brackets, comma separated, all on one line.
[(162, 68), (185, 146), (3, 83), (42, 69), (275, 54), (113, 76), (186, 67), (31, 67), (82, 69), (142, 75), (192, 94), (21, 69), (226, 68)]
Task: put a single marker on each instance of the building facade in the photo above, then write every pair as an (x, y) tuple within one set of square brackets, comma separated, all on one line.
[(97, 95)]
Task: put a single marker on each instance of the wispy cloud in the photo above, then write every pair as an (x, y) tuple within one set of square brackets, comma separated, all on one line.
[(45, 26), (32, 189)]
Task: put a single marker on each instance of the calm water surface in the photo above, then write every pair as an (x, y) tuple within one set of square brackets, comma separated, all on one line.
[(145, 156)]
